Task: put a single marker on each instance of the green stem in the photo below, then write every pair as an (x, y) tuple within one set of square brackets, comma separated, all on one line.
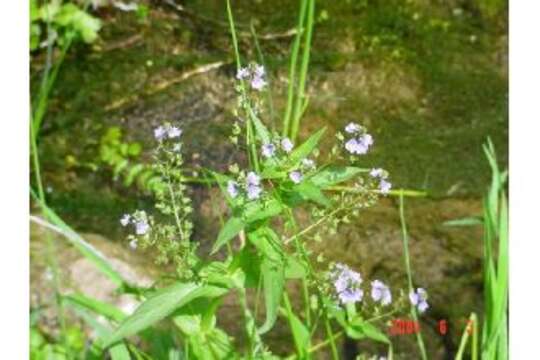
[(303, 72), (409, 275), (292, 68), (331, 339)]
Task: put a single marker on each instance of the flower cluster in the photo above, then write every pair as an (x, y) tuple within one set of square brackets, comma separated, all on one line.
[(166, 131), (251, 187), (380, 292), (347, 286), (360, 141), (141, 224), (253, 73), (418, 298), (382, 176)]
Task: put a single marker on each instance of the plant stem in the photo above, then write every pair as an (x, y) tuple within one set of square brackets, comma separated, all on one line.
[(292, 67), (331, 339), (303, 72), (409, 275)]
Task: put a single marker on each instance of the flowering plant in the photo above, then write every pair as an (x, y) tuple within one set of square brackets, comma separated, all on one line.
[(262, 244)]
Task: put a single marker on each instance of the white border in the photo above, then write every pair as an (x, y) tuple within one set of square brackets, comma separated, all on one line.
[(524, 179), (14, 274)]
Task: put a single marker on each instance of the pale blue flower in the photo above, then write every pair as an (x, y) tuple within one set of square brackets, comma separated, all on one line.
[(376, 173), (351, 296), (353, 128), (160, 132), (141, 227), (385, 186), (125, 219), (259, 71), (366, 139), (253, 179), (242, 73), (347, 284), (258, 83), (268, 150), (287, 145), (253, 192), (296, 176), (232, 188), (380, 292), (174, 132), (419, 299)]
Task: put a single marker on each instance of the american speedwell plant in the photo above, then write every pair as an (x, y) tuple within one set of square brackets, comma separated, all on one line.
[(264, 246)]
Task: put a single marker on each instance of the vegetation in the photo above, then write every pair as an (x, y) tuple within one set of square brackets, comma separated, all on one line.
[(262, 256)]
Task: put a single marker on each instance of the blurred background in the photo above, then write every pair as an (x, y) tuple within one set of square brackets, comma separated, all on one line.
[(428, 78)]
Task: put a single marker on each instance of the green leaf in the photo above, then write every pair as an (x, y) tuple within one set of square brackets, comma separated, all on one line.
[(300, 332), (302, 151), (132, 173), (334, 175), (261, 130), (231, 228), (468, 221), (161, 305), (273, 283), (107, 310), (308, 191), (273, 272), (262, 210), (294, 269), (359, 329)]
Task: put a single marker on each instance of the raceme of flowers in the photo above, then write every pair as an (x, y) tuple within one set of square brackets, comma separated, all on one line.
[(253, 73), (359, 141)]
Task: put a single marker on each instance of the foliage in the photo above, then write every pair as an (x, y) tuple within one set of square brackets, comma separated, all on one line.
[(65, 20), (122, 158)]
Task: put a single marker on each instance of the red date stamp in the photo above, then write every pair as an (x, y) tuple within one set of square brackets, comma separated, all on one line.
[(410, 326)]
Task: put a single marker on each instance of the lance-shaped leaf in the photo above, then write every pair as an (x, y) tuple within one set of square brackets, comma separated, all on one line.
[(302, 151), (161, 305)]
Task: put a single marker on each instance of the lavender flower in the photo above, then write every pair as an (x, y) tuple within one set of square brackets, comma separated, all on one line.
[(253, 192), (380, 292), (259, 71), (268, 150), (296, 176), (160, 132), (353, 128), (125, 219), (385, 186), (348, 296), (174, 132), (377, 173), (287, 145), (242, 73), (258, 83), (347, 284), (232, 188), (360, 145), (419, 299), (141, 227), (253, 179)]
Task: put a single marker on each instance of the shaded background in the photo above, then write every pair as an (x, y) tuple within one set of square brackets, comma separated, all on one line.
[(428, 78)]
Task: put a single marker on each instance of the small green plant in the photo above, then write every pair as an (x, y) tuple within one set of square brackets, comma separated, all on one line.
[(56, 21), (122, 158)]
